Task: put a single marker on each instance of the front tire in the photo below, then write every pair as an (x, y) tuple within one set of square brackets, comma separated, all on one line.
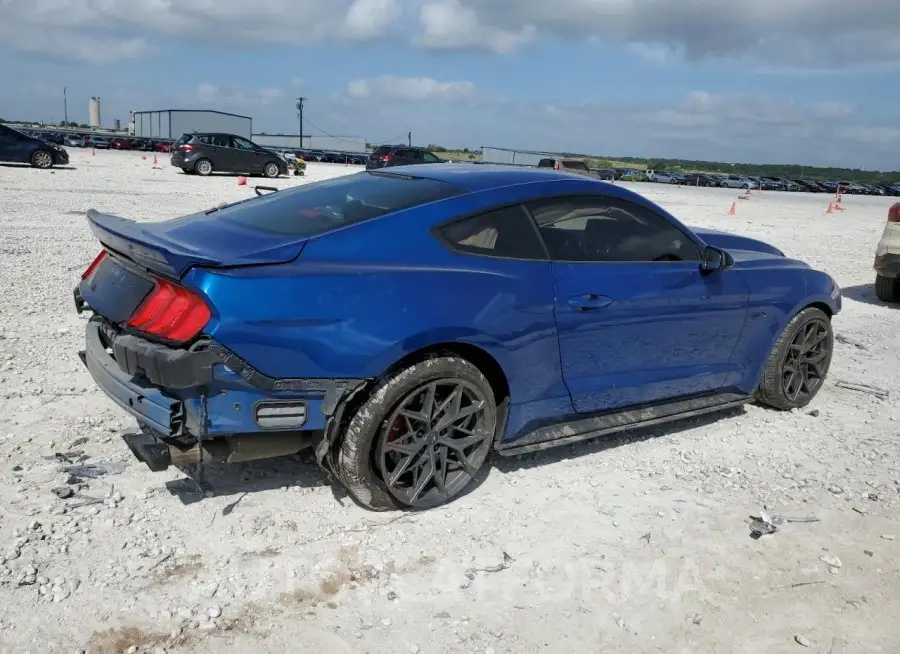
[(887, 289), (270, 170), (420, 437), (42, 159), (799, 362)]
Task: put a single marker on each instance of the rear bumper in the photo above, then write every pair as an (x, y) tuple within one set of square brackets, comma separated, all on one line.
[(163, 414), (887, 265), (162, 386)]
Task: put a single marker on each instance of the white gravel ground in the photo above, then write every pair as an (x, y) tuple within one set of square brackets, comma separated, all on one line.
[(638, 544)]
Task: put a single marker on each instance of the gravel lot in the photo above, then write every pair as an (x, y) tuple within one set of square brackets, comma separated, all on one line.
[(637, 544)]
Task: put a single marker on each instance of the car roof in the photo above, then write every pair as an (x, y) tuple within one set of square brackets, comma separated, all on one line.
[(483, 177)]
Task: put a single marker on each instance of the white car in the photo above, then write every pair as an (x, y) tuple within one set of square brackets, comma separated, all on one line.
[(662, 177), (887, 259), (736, 181)]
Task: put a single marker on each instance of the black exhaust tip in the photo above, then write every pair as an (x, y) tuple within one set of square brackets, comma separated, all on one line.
[(148, 450)]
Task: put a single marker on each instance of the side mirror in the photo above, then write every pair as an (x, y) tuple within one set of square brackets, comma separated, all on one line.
[(715, 259)]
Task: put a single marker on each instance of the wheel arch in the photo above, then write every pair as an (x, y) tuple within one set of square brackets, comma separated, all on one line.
[(477, 356)]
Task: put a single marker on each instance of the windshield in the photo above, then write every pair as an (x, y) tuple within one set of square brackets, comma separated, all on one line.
[(320, 207)]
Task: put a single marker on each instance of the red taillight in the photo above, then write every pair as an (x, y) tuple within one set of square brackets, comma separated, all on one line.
[(186, 147), (894, 214), (170, 312), (385, 159), (94, 264)]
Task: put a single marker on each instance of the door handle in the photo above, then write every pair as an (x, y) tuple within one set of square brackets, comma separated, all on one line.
[(589, 302)]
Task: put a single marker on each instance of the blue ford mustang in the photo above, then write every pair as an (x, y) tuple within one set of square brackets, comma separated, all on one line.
[(405, 323)]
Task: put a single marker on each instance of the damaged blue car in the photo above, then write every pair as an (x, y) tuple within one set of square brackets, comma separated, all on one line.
[(406, 323)]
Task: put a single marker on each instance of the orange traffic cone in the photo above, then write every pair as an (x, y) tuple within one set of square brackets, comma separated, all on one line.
[(830, 208), (242, 181), (144, 157), (733, 210)]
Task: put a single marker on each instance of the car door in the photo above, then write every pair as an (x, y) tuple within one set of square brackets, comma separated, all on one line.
[(7, 144), (14, 146), (245, 159), (638, 320)]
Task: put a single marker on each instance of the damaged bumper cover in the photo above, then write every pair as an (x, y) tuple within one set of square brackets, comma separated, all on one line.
[(162, 387)]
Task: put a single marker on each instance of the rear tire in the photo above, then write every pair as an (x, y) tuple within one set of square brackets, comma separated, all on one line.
[(887, 289), (799, 362), (203, 167), (397, 440), (42, 159), (271, 170)]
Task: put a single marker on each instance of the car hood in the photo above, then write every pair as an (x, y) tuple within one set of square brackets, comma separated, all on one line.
[(733, 242)]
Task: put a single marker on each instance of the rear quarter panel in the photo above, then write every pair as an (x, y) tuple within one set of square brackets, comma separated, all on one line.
[(361, 298)]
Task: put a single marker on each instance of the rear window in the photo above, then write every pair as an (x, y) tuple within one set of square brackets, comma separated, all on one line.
[(382, 149), (184, 139), (320, 207)]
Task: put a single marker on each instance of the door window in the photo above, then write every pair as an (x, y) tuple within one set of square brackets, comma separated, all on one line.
[(242, 144), (506, 233), (216, 140), (597, 229), (10, 136), (430, 158)]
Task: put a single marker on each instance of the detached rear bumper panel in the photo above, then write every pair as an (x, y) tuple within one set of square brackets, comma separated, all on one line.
[(158, 411)]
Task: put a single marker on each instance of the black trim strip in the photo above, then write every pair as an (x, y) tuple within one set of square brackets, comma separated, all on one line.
[(555, 435)]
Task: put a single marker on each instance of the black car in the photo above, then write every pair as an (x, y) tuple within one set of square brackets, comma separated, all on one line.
[(399, 155), (20, 148), (698, 179), (205, 153)]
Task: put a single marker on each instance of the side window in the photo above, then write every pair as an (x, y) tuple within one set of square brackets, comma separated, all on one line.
[(418, 155), (11, 136), (609, 230), (241, 144), (430, 158), (504, 233), (402, 154)]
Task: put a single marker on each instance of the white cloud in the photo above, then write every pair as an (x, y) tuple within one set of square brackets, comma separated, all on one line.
[(799, 34), (99, 31), (448, 25), (409, 89)]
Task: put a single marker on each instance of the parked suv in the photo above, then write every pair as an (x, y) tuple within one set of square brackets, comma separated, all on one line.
[(207, 152), (399, 155), (887, 259), (21, 148)]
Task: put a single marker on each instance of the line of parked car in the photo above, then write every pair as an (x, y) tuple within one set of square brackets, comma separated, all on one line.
[(763, 183)]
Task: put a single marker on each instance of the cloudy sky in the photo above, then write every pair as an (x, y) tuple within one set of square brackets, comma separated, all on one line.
[(784, 81)]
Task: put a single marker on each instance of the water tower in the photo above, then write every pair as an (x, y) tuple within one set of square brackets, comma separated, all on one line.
[(94, 112)]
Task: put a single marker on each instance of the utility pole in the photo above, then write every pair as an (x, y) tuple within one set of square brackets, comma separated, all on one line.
[(65, 107), (409, 138), (300, 102)]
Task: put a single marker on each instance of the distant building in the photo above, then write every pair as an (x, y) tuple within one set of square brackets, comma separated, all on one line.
[(172, 123), (94, 112), (326, 143), (513, 157), (117, 125)]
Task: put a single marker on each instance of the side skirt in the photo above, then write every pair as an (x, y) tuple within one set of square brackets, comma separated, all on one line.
[(567, 433)]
